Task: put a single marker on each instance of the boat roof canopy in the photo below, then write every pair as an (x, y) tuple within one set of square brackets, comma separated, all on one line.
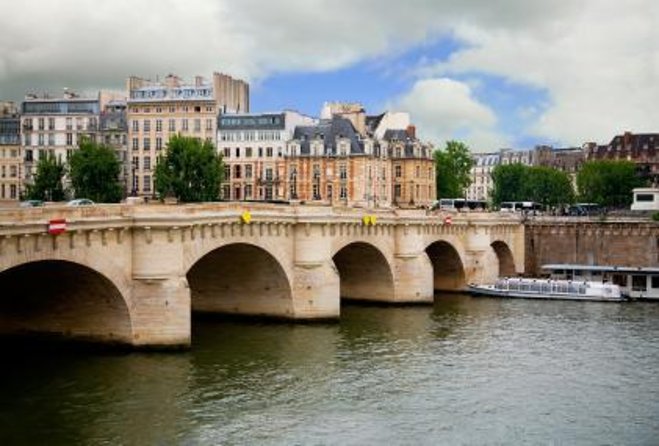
[(601, 268)]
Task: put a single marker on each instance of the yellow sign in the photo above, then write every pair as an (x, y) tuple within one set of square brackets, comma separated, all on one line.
[(246, 217), (369, 220)]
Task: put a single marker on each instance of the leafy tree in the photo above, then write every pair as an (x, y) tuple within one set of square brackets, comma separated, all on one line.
[(548, 186), (545, 185), (47, 185), (607, 182), (508, 183), (453, 167), (190, 170), (95, 172)]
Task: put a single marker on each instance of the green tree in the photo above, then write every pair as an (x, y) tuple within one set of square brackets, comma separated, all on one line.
[(548, 186), (607, 182), (453, 167), (190, 170), (47, 185), (509, 182), (95, 172)]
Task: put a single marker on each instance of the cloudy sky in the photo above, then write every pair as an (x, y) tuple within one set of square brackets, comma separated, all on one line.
[(506, 73)]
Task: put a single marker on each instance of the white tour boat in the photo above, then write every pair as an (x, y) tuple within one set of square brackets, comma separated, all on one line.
[(549, 289), (634, 282)]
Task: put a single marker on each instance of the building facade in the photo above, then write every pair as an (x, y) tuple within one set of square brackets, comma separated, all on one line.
[(254, 149), (11, 162), (333, 163), (55, 127), (113, 132), (640, 148), (481, 176), (157, 110)]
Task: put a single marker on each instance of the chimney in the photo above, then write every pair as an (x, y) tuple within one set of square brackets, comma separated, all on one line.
[(411, 131)]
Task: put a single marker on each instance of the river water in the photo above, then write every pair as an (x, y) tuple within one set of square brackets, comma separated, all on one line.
[(464, 371)]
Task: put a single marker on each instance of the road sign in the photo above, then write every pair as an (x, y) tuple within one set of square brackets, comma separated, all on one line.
[(56, 226)]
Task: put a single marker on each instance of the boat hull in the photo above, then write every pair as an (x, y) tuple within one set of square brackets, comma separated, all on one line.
[(489, 291)]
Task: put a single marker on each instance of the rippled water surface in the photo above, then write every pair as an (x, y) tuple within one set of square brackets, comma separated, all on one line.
[(464, 371)]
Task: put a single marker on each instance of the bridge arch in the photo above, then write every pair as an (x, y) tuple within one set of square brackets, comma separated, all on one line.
[(506, 261), (364, 272), (240, 278), (64, 299), (448, 266)]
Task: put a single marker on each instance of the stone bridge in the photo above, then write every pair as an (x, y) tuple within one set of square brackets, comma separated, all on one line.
[(134, 274)]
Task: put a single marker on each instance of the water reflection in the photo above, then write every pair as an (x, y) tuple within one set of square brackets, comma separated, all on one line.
[(462, 371)]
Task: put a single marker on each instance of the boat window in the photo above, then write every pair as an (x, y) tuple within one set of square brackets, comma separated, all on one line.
[(578, 273), (596, 274), (655, 282), (619, 279), (639, 283)]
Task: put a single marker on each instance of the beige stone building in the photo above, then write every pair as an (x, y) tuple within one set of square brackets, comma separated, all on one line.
[(333, 163), (56, 126), (254, 149), (10, 152), (158, 109)]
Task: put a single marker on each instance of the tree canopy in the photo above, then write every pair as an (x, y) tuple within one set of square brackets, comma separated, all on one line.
[(47, 184), (545, 185), (190, 170), (453, 167), (608, 182), (95, 172)]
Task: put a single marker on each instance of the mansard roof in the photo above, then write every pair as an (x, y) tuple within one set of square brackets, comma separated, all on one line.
[(329, 130)]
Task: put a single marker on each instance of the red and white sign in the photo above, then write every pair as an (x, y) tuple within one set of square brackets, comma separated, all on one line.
[(57, 226), (448, 220)]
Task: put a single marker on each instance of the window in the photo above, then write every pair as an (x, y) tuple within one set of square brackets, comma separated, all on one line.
[(146, 144), (655, 282), (644, 197), (343, 193), (69, 124), (171, 125), (41, 123), (172, 109), (248, 152), (397, 191), (227, 152), (51, 139), (136, 125), (639, 283), (418, 172), (227, 175), (343, 172), (41, 139), (237, 152), (398, 171), (184, 125), (268, 174), (236, 171), (248, 171), (260, 152), (147, 125), (147, 163), (197, 125), (136, 143), (158, 125), (268, 152), (147, 183), (51, 123), (248, 191), (209, 126), (159, 143)]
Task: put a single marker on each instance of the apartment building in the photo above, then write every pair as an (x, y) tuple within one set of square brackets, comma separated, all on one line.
[(254, 149), (640, 148), (56, 126), (333, 163), (113, 132), (10, 152), (158, 109)]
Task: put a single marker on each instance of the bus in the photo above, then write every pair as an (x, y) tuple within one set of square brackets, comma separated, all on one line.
[(521, 206)]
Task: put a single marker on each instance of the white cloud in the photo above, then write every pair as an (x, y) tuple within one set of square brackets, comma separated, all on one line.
[(445, 109), (598, 64), (598, 60)]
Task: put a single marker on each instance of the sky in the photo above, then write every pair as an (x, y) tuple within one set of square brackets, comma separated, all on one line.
[(492, 73)]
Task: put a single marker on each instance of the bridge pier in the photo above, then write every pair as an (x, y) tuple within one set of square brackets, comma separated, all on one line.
[(160, 312), (413, 271)]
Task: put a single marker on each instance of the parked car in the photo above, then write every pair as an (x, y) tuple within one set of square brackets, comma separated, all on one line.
[(31, 203), (81, 202)]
